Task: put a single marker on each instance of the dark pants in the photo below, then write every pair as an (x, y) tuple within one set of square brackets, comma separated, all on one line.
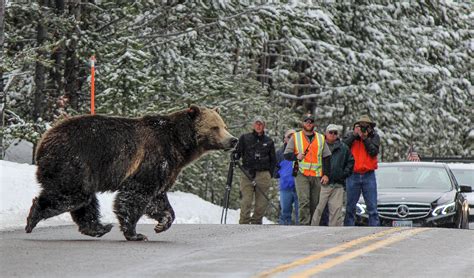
[(367, 185)]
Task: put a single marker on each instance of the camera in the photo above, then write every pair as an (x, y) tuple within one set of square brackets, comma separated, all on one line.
[(364, 128), (235, 155), (296, 169)]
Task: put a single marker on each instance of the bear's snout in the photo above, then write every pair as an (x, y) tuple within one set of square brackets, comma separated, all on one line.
[(231, 143)]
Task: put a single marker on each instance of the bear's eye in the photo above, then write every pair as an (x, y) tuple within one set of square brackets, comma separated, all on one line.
[(215, 128)]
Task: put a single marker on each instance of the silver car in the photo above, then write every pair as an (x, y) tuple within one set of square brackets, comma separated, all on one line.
[(418, 194), (464, 173)]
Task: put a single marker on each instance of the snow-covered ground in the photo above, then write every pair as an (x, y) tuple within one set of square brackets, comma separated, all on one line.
[(18, 187)]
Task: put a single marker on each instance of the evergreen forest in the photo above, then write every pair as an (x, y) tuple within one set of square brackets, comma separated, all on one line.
[(407, 64)]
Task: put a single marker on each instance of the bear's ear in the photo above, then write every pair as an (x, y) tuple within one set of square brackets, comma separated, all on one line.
[(217, 109), (193, 111)]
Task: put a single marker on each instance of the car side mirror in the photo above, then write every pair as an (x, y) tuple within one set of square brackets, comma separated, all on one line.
[(465, 189)]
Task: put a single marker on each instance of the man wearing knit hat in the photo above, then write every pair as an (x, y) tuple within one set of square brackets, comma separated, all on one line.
[(364, 143)]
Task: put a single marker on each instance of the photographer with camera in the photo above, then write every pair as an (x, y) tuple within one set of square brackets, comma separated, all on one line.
[(257, 151), (364, 143), (311, 156)]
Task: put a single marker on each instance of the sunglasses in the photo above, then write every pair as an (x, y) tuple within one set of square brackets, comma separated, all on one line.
[(309, 122), (333, 132)]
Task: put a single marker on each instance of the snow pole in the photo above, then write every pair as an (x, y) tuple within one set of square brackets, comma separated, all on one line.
[(92, 85)]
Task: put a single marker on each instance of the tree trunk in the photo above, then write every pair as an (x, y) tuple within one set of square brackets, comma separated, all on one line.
[(3, 95), (263, 63), (38, 95), (71, 70), (56, 85), (236, 61)]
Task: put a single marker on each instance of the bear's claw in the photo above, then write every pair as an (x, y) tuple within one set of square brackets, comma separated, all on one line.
[(164, 224), (159, 228), (136, 237), (97, 231)]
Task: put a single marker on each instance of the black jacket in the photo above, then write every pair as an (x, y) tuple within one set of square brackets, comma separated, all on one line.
[(342, 163), (257, 153)]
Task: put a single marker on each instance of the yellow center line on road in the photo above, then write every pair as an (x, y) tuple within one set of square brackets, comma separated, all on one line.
[(356, 253), (327, 252)]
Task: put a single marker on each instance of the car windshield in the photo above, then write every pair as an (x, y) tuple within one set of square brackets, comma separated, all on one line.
[(464, 176), (413, 177)]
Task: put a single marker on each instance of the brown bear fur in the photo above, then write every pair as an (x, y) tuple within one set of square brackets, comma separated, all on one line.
[(139, 158)]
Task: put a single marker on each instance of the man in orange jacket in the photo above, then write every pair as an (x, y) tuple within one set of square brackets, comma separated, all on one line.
[(364, 143)]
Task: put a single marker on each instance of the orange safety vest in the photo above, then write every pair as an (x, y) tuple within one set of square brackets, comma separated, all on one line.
[(363, 161), (312, 163)]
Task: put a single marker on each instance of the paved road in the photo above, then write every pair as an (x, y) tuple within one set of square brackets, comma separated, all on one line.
[(240, 251)]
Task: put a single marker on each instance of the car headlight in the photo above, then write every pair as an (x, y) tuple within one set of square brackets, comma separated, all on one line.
[(444, 209), (361, 209)]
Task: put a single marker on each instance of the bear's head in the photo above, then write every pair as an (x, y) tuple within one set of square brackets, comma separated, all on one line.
[(212, 133)]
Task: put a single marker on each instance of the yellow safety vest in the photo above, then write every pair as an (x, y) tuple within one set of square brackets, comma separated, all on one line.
[(311, 165)]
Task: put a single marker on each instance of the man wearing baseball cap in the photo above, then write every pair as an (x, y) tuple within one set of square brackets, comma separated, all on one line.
[(312, 166), (332, 194), (258, 159)]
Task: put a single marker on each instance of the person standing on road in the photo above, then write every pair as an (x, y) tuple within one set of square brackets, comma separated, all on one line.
[(312, 159), (288, 196), (332, 194), (258, 160), (364, 143)]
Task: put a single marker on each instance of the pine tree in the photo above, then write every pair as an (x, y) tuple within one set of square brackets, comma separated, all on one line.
[(406, 64)]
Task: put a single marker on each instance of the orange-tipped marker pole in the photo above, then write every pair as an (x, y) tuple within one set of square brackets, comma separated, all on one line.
[(92, 85)]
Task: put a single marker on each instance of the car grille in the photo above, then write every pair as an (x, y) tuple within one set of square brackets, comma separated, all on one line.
[(405, 211)]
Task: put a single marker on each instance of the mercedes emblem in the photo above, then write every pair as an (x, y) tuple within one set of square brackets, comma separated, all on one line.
[(402, 211)]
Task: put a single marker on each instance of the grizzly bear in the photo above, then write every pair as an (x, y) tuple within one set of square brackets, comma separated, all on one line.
[(139, 158)]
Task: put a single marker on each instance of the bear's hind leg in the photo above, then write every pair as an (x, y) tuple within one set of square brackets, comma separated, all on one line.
[(88, 219), (160, 209), (129, 206), (34, 216), (49, 204)]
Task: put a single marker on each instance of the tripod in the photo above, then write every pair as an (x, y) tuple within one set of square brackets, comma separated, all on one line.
[(230, 176)]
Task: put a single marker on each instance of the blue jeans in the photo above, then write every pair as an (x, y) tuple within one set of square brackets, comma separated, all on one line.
[(288, 199), (367, 185)]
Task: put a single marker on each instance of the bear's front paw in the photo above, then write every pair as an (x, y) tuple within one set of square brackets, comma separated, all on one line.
[(136, 237), (162, 226)]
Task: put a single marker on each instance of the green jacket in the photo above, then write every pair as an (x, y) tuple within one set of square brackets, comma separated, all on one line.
[(342, 163)]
